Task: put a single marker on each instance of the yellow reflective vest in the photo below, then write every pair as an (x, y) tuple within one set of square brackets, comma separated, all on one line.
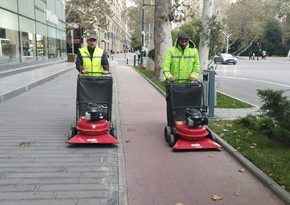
[(94, 65), (181, 64)]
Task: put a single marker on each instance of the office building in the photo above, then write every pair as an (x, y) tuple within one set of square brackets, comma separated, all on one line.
[(31, 31)]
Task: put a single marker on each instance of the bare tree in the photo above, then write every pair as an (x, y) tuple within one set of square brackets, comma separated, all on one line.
[(90, 14), (246, 22)]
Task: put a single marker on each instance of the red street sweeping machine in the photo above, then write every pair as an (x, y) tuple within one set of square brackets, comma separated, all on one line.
[(93, 112), (187, 118)]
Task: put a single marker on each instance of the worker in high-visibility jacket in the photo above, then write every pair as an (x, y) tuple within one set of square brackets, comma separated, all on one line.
[(181, 65), (92, 60), (181, 62)]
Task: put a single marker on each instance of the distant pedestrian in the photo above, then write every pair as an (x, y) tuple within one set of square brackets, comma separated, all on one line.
[(250, 55), (138, 54), (264, 53)]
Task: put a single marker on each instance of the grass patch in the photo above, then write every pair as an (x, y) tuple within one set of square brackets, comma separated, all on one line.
[(149, 74), (272, 158), (224, 101), (266, 154)]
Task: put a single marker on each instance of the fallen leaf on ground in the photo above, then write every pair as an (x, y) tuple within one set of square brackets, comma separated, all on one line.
[(283, 187), (242, 170), (216, 197), (130, 130), (25, 144), (253, 146), (237, 194)]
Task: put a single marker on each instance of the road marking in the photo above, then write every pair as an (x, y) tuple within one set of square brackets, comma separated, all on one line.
[(256, 80)]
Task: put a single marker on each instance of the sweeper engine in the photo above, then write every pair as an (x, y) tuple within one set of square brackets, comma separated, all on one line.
[(96, 112), (195, 118)]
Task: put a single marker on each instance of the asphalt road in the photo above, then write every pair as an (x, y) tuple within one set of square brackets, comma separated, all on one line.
[(243, 79)]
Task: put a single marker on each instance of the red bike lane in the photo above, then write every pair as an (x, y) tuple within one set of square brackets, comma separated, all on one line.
[(156, 175)]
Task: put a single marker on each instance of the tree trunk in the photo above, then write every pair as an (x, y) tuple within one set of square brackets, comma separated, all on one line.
[(245, 48), (205, 35), (162, 34)]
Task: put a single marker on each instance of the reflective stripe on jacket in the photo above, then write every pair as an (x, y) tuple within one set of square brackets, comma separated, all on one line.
[(181, 64), (93, 66)]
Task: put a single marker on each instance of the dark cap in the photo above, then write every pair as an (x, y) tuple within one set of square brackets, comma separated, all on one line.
[(92, 37), (183, 36)]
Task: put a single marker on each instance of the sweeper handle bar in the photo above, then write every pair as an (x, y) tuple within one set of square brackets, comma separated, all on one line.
[(196, 82), (104, 73)]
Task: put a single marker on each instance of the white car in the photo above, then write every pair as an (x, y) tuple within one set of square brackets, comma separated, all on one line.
[(225, 58)]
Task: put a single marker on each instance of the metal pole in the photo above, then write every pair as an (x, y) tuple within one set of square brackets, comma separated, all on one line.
[(228, 37), (143, 32), (125, 47), (72, 41), (227, 44), (212, 93)]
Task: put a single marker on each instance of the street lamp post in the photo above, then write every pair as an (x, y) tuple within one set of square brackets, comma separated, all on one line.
[(228, 37), (143, 32), (143, 29)]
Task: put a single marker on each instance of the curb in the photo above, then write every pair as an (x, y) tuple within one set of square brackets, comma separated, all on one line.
[(265, 179), (123, 197), (17, 70)]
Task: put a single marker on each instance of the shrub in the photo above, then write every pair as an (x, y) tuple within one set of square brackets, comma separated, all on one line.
[(274, 118), (151, 54)]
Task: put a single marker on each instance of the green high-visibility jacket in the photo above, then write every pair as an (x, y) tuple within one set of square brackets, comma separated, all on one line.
[(92, 65), (181, 64)]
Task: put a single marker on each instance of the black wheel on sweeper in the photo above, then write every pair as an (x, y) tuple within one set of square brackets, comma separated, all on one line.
[(167, 132), (172, 140), (73, 132), (113, 130)]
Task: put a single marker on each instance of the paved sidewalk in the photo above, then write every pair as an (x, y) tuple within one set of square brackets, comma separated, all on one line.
[(15, 83), (231, 114), (37, 166)]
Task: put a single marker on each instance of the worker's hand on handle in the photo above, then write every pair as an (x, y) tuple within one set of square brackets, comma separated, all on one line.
[(106, 72), (171, 79), (193, 80), (83, 71)]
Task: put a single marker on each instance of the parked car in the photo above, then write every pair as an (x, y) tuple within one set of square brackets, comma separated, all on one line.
[(225, 58)]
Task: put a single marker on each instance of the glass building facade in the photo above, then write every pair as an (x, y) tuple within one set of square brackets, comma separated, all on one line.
[(31, 31)]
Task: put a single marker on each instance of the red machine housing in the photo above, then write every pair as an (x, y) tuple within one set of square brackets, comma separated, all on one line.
[(193, 137), (97, 132)]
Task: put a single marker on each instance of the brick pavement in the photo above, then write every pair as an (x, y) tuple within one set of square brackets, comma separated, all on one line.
[(37, 166)]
